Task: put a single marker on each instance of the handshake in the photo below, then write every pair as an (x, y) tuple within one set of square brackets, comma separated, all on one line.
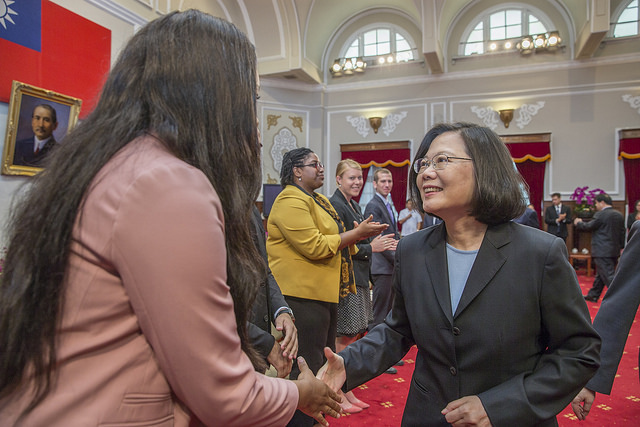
[(320, 395)]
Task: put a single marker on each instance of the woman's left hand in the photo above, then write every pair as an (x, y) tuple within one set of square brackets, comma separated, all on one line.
[(368, 228), (467, 411)]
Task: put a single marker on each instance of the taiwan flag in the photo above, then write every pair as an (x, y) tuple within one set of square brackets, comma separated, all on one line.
[(47, 46)]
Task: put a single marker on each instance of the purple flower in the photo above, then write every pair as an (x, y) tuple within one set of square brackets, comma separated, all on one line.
[(583, 197)]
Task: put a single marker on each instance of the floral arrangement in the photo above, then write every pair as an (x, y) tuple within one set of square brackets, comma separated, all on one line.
[(585, 199)]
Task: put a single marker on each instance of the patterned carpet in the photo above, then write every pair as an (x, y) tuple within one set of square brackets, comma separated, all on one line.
[(387, 393)]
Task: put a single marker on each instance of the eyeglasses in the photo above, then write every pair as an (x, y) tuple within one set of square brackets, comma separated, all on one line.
[(439, 162), (317, 165)]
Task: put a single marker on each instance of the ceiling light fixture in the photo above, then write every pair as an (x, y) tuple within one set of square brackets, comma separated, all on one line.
[(347, 66), (539, 43)]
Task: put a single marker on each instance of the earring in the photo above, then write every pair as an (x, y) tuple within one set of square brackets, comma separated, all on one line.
[(299, 178)]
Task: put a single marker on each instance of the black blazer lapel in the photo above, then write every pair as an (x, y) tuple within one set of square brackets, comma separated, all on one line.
[(488, 261), (435, 259)]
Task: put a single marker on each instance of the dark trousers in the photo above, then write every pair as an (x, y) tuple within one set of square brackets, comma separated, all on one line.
[(316, 322), (382, 297), (605, 269)]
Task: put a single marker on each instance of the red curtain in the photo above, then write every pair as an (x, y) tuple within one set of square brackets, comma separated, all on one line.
[(630, 155), (396, 160), (531, 159)]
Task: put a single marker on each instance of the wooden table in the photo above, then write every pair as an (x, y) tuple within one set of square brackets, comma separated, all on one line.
[(581, 257)]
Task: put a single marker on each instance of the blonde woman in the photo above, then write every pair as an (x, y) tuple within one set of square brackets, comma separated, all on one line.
[(355, 309)]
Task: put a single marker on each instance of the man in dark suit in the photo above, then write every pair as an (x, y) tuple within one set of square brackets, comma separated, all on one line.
[(529, 217), (270, 306), (382, 262), (607, 239), (430, 220), (32, 151), (613, 322), (557, 216)]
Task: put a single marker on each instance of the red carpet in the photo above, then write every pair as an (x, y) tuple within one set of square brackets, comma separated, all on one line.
[(387, 393)]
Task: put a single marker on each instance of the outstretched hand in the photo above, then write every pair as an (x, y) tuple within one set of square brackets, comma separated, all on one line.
[(368, 228), (581, 404), (333, 372), (316, 398)]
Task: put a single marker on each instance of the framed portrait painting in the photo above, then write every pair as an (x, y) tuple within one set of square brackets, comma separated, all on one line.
[(38, 120)]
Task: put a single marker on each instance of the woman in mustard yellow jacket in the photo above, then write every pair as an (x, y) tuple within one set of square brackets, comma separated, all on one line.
[(309, 255)]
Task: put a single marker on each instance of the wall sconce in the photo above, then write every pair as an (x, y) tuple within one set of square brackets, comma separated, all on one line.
[(375, 123), (506, 116)]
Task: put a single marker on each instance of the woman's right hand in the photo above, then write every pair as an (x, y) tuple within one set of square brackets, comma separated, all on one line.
[(368, 228), (384, 242), (316, 398)]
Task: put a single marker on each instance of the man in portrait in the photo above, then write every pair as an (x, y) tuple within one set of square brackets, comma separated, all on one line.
[(33, 150)]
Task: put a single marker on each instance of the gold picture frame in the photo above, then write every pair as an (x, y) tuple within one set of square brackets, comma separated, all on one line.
[(30, 114)]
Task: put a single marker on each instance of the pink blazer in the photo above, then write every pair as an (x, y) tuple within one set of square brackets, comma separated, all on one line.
[(148, 334)]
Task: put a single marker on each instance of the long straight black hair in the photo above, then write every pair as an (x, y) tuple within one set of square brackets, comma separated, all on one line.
[(191, 79)]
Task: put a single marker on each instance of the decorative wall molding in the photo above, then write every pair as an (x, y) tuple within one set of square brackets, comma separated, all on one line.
[(283, 142), (120, 12), (491, 117), (488, 115), (390, 122), (296, 122), (633, 101), (361, 124), (526, 113), (272, 120)]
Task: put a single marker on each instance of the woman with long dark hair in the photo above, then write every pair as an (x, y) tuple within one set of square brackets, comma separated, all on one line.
[(130, 253)]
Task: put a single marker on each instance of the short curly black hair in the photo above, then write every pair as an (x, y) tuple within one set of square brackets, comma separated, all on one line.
[(292, 159)]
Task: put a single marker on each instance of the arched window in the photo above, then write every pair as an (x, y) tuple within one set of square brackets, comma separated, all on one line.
[(379, 44), (501, 29), (626, 23)]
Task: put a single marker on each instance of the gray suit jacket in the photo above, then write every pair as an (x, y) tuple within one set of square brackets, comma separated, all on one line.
[(616, 314), (607, 238), (382, 262), (521, 338)]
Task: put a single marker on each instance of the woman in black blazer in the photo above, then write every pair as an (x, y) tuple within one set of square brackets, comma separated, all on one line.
[(503, 334), (355, 310)]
